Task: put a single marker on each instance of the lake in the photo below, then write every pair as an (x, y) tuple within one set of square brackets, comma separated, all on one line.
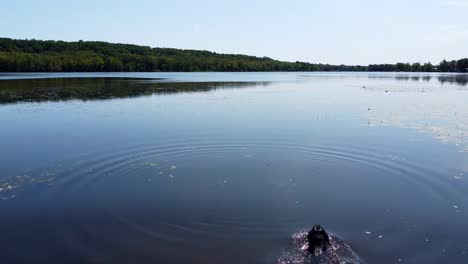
[(228, 167)]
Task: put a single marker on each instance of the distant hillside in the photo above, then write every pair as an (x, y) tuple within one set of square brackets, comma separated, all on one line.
[(93, 56), (87, 56)]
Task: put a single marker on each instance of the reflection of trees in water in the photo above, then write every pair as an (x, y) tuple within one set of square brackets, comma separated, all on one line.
[(458, 79), (63, 89), (461, 80)]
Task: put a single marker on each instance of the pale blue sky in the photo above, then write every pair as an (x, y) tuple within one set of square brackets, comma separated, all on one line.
[(327, 31)]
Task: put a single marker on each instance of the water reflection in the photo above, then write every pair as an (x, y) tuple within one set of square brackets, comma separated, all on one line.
[(458, 79), (436, 109), (448, 123), (230, 176), (64, 89)]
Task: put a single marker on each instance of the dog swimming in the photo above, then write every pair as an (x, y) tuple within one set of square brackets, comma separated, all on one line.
[(319, 247)]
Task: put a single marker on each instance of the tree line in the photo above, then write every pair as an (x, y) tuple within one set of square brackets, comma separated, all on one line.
[(93, 56), (445, 66)]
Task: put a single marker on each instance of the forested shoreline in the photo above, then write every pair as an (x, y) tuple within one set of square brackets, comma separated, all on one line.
[(93, 56)]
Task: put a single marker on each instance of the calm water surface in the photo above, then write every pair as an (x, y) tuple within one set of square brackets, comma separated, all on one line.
[(231, 167)]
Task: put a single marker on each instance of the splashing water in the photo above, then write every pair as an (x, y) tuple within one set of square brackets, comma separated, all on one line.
[(337, 253)]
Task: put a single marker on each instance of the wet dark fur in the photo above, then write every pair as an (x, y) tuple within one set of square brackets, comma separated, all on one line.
[(318, 239)]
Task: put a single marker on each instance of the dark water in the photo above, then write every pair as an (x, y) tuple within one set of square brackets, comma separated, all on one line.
[(232, 167)]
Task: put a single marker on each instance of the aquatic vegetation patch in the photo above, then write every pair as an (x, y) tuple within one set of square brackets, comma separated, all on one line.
[(11, 184)]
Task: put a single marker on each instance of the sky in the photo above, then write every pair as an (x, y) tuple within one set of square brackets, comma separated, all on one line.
[(318, 31)]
